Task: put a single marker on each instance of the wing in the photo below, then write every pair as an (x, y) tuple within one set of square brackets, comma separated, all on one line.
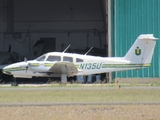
[(64, 68)]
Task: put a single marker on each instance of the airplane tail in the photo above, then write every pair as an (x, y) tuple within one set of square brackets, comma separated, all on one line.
[(142, 50)]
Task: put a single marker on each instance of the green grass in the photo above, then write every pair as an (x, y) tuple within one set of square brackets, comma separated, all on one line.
[(116, 95)]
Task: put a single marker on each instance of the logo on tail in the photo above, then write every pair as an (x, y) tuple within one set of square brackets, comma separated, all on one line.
[(137, 51)]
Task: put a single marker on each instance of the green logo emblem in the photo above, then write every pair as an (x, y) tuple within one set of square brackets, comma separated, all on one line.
[(137, 51)]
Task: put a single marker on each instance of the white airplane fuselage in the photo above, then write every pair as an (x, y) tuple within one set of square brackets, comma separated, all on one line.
[(88, 65)]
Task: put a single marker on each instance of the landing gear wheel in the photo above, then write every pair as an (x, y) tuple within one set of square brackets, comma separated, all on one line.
[(14, 83)]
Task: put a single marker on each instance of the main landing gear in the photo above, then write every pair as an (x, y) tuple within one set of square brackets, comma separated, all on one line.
[(63, 78)]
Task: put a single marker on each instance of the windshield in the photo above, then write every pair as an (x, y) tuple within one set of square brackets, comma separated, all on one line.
[(41, 58)]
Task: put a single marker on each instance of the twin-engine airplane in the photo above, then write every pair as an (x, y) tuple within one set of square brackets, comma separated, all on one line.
[(61, 64)]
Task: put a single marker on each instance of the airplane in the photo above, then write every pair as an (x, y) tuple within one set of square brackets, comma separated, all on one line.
[(61, 64)]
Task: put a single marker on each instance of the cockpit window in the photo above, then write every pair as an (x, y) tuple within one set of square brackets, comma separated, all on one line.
[(41, 58), (79, 60), (54, 58), (69, 59)]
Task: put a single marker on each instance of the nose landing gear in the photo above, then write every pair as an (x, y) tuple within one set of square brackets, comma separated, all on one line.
[(14, 83)]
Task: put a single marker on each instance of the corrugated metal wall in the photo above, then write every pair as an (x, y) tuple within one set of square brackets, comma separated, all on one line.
[(132, 18)]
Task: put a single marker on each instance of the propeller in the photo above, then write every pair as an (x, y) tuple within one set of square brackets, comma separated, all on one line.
[(25, 59)]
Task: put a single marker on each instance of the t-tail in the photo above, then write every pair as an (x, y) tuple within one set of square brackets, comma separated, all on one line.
[(142, 50)]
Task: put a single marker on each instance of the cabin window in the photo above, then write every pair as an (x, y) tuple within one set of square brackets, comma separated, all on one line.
[(69, 59), (41, 58), (79, 60), (53, 58)]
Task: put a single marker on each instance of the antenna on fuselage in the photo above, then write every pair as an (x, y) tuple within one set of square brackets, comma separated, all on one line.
[(88, 51), (66, 48)]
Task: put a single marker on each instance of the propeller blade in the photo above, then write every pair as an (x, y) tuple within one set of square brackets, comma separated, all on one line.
[(26, 68), (25, 59)]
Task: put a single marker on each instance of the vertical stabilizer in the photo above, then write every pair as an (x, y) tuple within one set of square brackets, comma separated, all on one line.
[(142, 50)]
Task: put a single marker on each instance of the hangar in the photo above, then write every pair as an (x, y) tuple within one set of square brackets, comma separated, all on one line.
[(31, 28)]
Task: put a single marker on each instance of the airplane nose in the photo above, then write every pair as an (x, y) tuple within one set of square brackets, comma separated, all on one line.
[(14, 68), (6, 70)]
